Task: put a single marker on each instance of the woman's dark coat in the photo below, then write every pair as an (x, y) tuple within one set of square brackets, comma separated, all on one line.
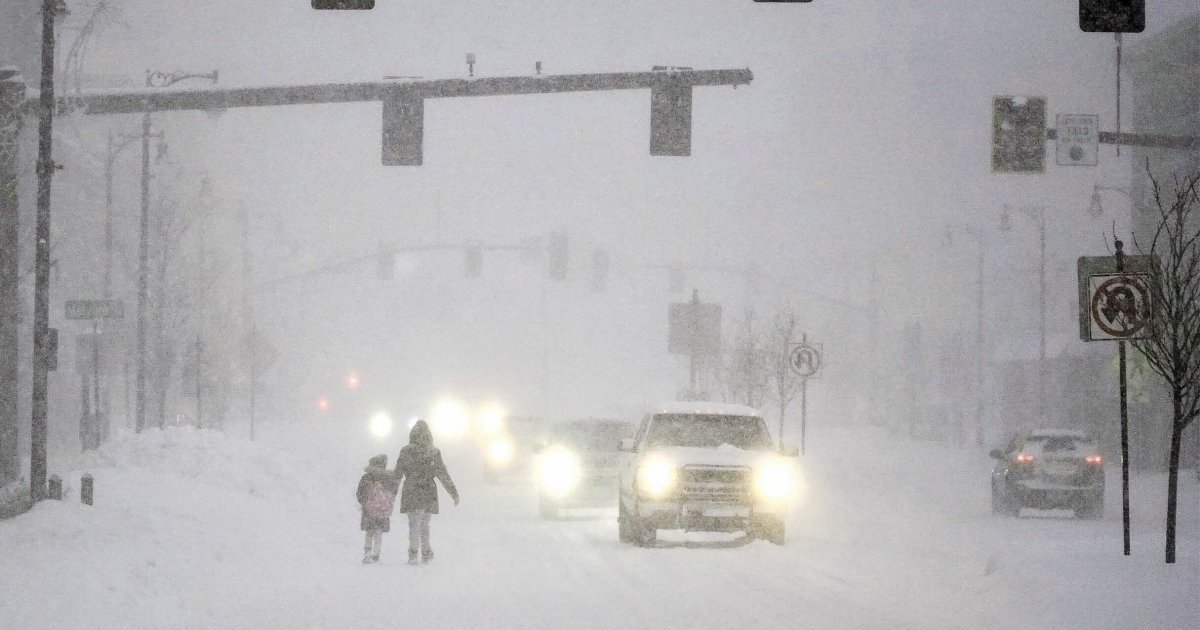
[(418, 465), (374, 473)]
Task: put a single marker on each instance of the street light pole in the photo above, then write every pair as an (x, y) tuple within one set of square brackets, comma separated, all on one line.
[(1040, 218), (153, 79), (979, 352)]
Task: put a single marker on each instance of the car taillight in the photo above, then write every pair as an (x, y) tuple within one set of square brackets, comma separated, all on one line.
[(1094, 459), (1024, 457)]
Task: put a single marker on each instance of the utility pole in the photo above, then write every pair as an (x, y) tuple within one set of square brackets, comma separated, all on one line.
[(12, 94), (41, 288)]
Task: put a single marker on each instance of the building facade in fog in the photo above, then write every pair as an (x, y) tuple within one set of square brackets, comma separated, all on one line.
[(1164, 91)]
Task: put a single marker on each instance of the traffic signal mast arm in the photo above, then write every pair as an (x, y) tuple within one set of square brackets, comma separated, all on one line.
[(343, 264), (1141, 140), (98, 102)]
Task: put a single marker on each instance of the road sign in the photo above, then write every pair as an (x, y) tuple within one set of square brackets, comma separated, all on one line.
[(1077, 139), (1114, 305), (95, 309), (694, 327), (1018, 134), (1120, 305), (805, 359)]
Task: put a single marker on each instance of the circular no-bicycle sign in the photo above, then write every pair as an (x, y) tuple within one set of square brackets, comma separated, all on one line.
[(1120, 305), (805, 360)]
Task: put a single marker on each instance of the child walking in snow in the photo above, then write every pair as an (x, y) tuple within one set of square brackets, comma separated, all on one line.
[(376, 494), (418, 465)]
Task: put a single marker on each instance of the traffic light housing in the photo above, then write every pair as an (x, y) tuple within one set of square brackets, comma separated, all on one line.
[(559, 254), (473, 261), (671, 119), (1019, 134), (1112, 16), (600, 265), (403, 129)]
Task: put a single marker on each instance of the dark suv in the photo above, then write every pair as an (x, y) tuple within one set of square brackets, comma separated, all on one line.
[(578, 464), (1049, 469)]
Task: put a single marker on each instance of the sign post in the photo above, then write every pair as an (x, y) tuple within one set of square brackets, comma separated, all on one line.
[(805, 360), (91, 433), (1115, 304)]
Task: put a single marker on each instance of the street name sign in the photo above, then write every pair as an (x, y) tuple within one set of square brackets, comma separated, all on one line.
[(95, 309), (1114, 305), (1077, 139)]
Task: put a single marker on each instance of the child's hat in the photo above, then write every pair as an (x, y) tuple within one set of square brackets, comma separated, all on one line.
[(378, 461)]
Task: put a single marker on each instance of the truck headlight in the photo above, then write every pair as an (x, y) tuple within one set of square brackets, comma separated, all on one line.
[(774, 480), (559, 471), (500, 452), (657, 477)]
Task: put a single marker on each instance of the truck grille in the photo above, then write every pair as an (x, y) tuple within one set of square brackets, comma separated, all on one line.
[(716, 484)]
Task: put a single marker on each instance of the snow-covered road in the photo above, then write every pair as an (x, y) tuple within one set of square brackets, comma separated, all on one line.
[(207, 531)]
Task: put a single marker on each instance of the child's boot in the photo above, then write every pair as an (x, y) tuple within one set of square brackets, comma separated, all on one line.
[(426, 555), (412, 556)]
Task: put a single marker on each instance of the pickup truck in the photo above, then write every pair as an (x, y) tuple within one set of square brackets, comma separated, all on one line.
[(704, 466)]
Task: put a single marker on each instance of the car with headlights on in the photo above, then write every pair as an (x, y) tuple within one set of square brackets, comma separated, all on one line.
[(1049, 469), (578, 464), (508, 447), (704, 466)]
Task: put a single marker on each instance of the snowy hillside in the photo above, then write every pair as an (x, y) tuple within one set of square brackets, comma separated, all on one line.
[(194, 529)]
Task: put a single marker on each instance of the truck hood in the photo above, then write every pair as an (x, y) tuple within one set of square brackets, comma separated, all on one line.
[(724, 455)]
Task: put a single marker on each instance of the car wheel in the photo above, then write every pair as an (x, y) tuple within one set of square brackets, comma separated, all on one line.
[(1000, 503), (625, 530), (775, 531), (1092, 509), (546, 508), (646, 536)]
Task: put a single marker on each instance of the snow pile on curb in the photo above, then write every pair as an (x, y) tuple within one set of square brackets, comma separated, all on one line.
[(209, 457)]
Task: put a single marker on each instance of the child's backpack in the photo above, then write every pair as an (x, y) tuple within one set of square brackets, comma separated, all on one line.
[(379, 500)]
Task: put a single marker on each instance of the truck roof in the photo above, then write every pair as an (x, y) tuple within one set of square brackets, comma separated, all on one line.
[(705, 407)]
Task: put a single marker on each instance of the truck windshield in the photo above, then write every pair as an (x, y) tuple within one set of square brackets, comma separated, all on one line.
[(591, 436), (708, 431)]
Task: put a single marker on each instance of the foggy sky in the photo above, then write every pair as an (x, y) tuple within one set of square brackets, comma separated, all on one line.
[(866, 129)]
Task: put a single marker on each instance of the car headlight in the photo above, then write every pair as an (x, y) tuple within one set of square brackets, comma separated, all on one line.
[(491, 420), (774, 480), (500, 452), (657, 477), (380, 425), (559, 471)]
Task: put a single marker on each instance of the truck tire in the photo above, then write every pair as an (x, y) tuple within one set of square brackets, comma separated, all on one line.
[(624, 524), (775, 531)]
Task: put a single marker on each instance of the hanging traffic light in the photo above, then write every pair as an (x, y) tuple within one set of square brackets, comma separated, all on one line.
[(671, 119), (559, 251), (600, 264), (403, 129), (1019, 134), (473, 261), (1112, 16)]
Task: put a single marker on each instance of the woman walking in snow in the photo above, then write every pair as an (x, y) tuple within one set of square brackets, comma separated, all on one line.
[(376, 494), (418, 465)]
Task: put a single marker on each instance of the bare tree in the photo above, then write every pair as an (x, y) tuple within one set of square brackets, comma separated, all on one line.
[(1172, 344), (743, 370), (785, 383)]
